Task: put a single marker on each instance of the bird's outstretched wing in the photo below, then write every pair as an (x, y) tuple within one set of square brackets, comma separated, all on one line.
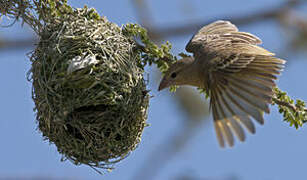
[(221, 36), (241, 77), (240, 92)]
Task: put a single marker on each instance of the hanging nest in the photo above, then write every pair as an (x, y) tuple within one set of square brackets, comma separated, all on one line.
[(90, 96)]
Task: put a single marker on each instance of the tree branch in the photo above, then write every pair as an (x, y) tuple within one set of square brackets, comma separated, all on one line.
[(239, 20), (19, 43)]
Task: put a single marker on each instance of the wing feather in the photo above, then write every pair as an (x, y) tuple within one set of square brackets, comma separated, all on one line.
[(238, 114), (227, 114), (223, 35), (239, 76)]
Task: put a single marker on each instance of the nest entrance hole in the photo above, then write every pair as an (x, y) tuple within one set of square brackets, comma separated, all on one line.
[(78, 114)]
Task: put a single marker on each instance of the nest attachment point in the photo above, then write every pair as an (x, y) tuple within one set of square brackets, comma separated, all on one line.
[(90, 96)]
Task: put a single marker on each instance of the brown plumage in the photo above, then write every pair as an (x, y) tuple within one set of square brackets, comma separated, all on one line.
[(236, 73)]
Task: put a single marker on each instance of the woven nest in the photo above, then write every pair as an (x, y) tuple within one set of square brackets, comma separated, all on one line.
[(88, 88)]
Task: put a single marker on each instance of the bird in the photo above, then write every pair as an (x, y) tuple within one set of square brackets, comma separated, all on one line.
[(234, 71)]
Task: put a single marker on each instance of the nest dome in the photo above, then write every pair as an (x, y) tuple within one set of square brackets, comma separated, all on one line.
[(88, 87)]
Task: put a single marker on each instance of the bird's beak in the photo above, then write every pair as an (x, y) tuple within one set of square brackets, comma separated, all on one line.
[(163, 84)]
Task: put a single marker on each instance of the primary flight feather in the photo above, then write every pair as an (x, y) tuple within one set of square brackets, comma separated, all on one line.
[(237, 74)]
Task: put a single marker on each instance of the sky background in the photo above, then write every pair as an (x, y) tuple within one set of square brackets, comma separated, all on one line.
[(275, 152)]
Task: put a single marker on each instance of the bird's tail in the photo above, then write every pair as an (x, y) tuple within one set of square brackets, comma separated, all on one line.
[(238, 97)]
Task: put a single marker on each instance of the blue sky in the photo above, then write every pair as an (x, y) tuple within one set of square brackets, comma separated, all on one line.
[(276, 151)]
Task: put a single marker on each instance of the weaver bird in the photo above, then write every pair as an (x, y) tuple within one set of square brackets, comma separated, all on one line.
[(237, 74)]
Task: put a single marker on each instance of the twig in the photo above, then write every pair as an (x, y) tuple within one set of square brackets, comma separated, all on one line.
[(288, 105)]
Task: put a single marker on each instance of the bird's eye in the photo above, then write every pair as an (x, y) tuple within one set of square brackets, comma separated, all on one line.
[(173, 75)]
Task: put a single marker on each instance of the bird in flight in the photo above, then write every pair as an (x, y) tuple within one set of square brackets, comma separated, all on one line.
[(236, 73)]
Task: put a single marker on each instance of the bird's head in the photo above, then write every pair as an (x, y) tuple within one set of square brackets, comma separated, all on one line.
[(176, 74)]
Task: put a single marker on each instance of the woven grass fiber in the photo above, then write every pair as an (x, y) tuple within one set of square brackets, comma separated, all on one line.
[(88, 87)]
